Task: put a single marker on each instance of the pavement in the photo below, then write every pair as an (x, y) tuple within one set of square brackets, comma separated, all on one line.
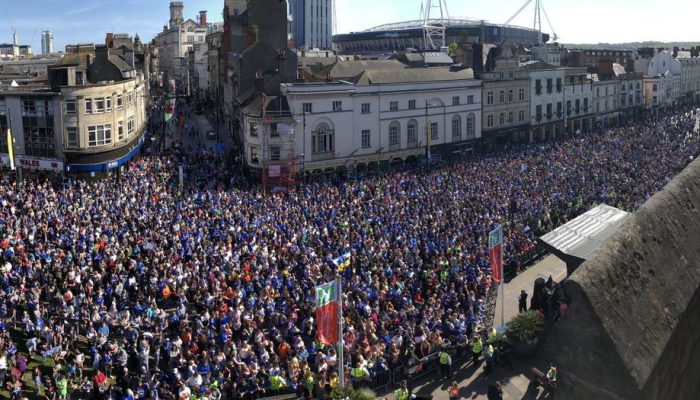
[(471, 379), (197, 142)]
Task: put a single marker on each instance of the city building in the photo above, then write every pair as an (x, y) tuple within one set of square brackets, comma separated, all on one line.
[(312, 23), (46, 42), (592, 57), (87, 116), (548, 53), (15, 51), (546, 100), (578, 99), (664, 66), (383, 115), (605, 98), (690, 77), (505, 99), (80, 48), (175, 42), (27, 66)]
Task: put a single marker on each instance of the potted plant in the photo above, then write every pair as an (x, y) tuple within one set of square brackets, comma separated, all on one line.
[(523, 333)]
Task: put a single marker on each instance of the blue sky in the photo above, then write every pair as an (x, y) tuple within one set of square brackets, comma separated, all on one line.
[(575, 21)]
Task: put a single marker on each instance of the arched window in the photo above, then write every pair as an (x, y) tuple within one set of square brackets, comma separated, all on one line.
[(394, 133), (456, 127), (412, 132), (470, 125), (502, 97), (322, 139)]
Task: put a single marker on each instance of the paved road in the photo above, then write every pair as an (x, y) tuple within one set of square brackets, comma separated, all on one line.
[(472, 381)]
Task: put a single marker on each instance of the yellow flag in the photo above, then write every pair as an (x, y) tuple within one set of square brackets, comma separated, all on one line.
[(10, 148)]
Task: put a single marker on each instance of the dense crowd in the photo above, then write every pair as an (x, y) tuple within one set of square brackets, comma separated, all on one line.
[(207, 291)]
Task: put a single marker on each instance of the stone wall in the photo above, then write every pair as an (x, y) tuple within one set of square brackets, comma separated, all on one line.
[(633, 327)]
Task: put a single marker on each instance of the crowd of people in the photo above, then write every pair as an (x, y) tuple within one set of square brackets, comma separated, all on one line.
[(138, 288)]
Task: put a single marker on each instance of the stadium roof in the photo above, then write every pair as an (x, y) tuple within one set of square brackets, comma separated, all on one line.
[(577, 240), (434, 22)]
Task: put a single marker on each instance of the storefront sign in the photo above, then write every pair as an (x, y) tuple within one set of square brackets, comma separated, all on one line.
[(46, 164)]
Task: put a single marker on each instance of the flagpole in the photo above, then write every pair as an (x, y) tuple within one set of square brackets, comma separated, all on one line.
[(341, 358), (503, 300)]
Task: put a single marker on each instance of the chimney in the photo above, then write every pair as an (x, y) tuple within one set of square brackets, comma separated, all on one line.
[(108, 39), (101, 53), (203, 18)]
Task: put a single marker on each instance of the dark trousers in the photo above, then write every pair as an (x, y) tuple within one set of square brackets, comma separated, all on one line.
[(522, 307), (475, 357), (445, 370)]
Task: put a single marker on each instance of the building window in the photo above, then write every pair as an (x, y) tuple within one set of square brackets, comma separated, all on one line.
[(434, 131), (456, 127), (559, 114), (108, 104), (337, 106), (489, 98), (510, 117), (471, 125), (502, 97), (394, 133), (568, 107), (654, 87), (120, 102), (538, 87), (308, 108), (510, 95), (366, 142), (521, 95), (98, 106), (274, 153), (273, 130), (365, 108), (470, 99), (501, 119), (489, 121), (72, 137), (393, 105), (253, 130), (88, 106), (99, 135), (412, 131), (538, 112), (585, 104), (190, 39), (130, 125), (323, 139), (549, 111), (254, 159), (558, 85), (71, 108), (550, 88), (411, 104), (455, 100), (129, 99), (521, 116), (120, 130)]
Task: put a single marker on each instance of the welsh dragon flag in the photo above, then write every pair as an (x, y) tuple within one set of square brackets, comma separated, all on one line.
[(495, 253), (327, 313)]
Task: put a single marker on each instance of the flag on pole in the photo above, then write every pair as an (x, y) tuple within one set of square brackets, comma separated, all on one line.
[(495, 253), (169, 109), (327, 313), (342, 262), (10, 150)]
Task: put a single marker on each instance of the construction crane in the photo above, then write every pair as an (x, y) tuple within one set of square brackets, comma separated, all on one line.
[(537, 23), (14, 31), (434, 33)]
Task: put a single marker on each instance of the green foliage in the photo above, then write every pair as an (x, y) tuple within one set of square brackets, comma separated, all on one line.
[(452, 48), (524, 327), (350, 394)]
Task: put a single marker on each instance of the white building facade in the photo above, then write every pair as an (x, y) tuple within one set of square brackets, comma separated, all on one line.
[(175, 42), (668, 69), (339, 124), (690, 79)]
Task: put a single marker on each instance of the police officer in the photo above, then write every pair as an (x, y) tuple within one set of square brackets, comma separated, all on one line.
[(445, 362), (488, 357), (358, 375), (493, 335), (402, 393), (476, 348)]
